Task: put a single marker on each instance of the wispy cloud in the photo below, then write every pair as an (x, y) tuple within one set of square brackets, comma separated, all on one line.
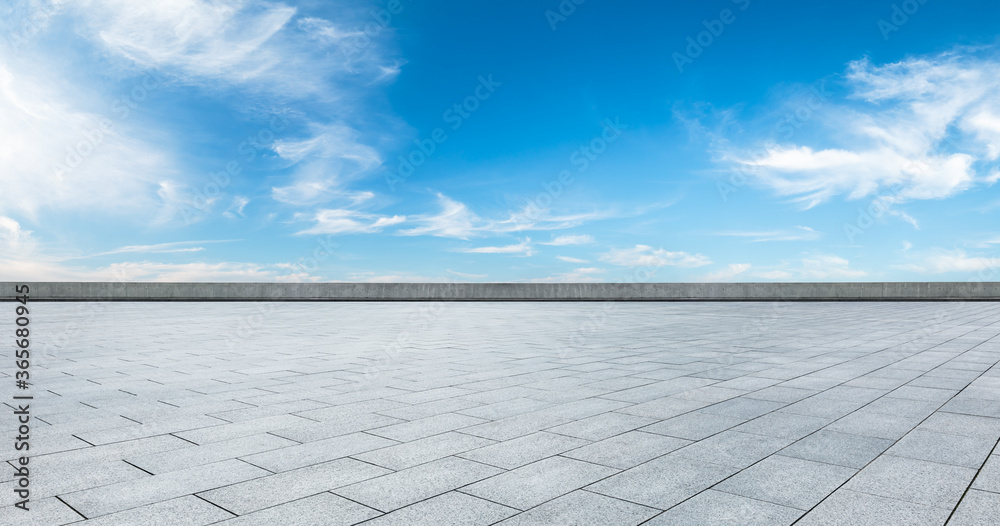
[(340, 221), (456, 220), (570, 240), (323, 164), (799, 233), (161, 248), (571, 259), (523, 248), (647, 256)]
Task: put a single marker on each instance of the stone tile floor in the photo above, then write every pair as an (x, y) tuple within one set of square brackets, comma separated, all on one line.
[(512, 413)]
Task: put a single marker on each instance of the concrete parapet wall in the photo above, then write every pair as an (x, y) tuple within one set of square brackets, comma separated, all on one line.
[(138, 291)]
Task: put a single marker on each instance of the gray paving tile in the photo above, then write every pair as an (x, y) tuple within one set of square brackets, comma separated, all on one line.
[(395, 490), (880, 425), (322, 509), (665, 407), (903, 407), (782, 393), (978, 508), (732, 448), (103, 500), (745, 408), (957, 450), (183, 511), (627, 450), (917, 481), (272, 490), (965, 425), (420, 451), (583, 508), (450, 509), (783, 425), (850, 508), (311, 431), (787, 481), (43, 512), (695, 425), (842, 449), (524, 450), (820, 406), (301, 455), (973, 406), (724, 509), (425, 427), (989, 476), (531, 485), (664, 482), (602, 426), (178, 459)]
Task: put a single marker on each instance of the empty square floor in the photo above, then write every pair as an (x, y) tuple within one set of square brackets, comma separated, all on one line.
[(513, 413)]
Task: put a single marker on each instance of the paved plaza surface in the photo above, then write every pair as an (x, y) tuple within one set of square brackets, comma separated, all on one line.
[(511, 413)]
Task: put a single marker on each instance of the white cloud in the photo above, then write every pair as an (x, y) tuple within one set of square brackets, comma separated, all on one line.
[(944, 261), (236, 208), (524, 248), (647, 256), (570, 259), (456, 220), (161, 248), (570, 240), (234, 41), (339, 221), (324, 163), (799, 233), (56, 155), (324, 30), (12, 237), (727, 273), (915, 129), (580, 275), (814, 267)]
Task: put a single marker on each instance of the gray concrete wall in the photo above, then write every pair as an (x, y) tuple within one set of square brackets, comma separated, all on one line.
[(938, 291)]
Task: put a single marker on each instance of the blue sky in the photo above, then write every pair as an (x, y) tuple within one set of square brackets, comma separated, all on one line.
[(545, 141)]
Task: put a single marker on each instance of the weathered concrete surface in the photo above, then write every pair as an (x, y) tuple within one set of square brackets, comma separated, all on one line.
[(937, 291)]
